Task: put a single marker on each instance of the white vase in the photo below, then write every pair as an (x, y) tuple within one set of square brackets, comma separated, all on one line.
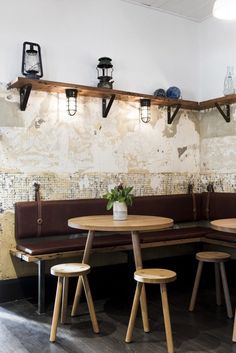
[(119, 211)]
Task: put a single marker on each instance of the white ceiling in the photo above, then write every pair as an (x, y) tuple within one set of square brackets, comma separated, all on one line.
[(194, 10)]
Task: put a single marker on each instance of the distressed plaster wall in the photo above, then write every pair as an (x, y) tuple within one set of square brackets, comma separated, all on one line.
[(217, 150), (84, 155)]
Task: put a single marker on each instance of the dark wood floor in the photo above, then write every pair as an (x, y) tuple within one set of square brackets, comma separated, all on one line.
[(208, 329)]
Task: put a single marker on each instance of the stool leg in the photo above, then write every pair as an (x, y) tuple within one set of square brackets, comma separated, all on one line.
[(217, 280), (234, 328), (86, 256), (90, 304), (143, 303), (64, 299), (77, 297), (196, 285), (133, 314), (56, 310), (139, 265), (166, 314), (226, 290)]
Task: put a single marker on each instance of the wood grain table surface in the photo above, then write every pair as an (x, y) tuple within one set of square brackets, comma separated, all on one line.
[(224, 225)]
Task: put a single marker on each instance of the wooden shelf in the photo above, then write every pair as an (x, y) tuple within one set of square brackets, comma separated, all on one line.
[(221, 101), (25, 85), (59, 87)]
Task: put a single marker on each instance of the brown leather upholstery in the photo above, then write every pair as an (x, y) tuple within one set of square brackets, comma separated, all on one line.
[(228, 237), (173, 234), (178, 207), (220, 204), (36, 246), (55, 215)]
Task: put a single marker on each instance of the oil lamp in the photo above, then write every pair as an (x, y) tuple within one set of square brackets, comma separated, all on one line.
[(105, 69), (31, 61)]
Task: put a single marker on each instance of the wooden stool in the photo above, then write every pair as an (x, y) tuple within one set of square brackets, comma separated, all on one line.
[(64, 272), (218, 258), (156, 276)]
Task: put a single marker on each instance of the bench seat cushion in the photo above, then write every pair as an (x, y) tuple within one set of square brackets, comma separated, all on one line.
[(35, 246), (217, 235), (174, 234)]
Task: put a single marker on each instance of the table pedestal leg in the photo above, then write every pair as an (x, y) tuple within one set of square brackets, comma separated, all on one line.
[(139, 265), (85, 260)]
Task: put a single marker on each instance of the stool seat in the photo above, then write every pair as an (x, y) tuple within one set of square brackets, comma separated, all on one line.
[(218, 258), (154, 275), (70, 270), (212, 256), (64, 272)]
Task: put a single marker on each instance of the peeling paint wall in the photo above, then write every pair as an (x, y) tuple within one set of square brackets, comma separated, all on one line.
[(84, 155), (217, 150)]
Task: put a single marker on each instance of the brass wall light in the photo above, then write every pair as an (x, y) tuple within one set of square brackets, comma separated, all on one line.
[(145, 110), (71, 95)]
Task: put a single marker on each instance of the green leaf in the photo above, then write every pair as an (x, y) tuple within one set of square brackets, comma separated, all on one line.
[(109, 205), (121, 194)]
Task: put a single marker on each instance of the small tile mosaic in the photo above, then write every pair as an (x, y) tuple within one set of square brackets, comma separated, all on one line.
[(222, 182), (20, 187)]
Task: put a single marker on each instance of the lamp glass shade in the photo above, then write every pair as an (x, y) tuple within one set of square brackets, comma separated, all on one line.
[(145, 110), (71, 95), (225, 9)]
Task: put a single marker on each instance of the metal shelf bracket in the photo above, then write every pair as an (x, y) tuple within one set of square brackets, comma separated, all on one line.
[(106, 107), (170, 117), (226, 115), (24, 96)]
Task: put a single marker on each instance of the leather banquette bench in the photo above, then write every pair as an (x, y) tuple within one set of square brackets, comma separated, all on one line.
[(42, 232)]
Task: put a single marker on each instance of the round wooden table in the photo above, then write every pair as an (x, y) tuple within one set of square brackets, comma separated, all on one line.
[(226, 225), (134, 224)]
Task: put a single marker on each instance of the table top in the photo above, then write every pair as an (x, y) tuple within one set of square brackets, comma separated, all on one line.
[(132, 223), (224, 225)]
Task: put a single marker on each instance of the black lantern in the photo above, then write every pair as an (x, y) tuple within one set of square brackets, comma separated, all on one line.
[(105, 69), (145, 110), (31, 61), (71, 95)]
